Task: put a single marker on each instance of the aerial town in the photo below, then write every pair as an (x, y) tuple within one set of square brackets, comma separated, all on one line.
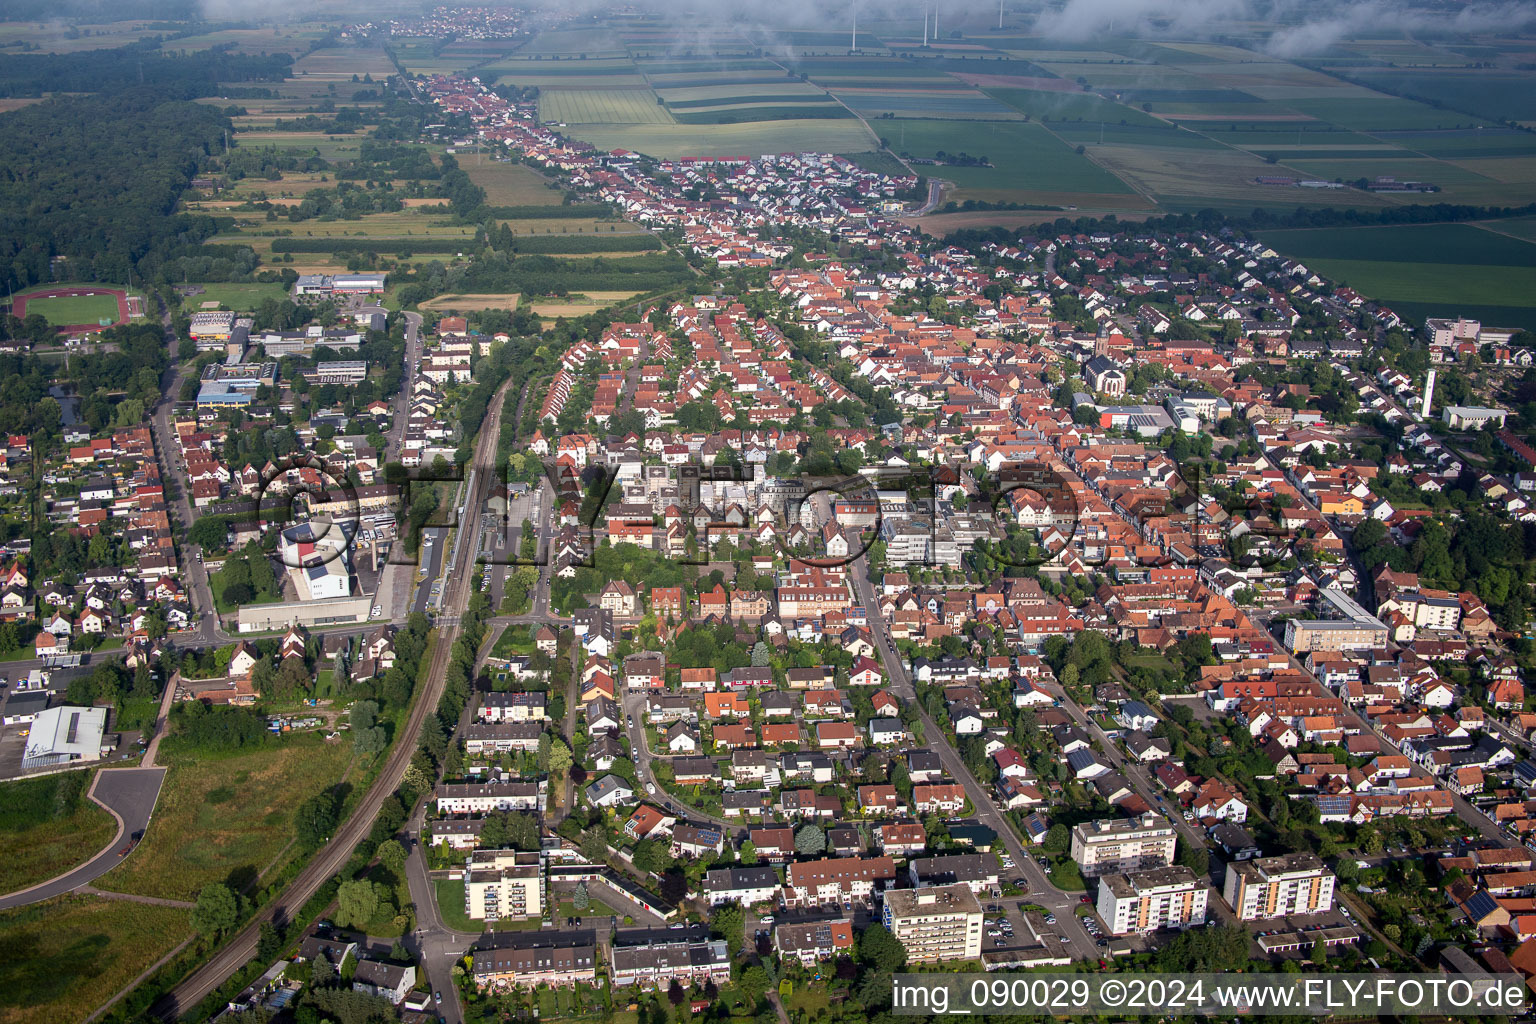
[(719, 626)]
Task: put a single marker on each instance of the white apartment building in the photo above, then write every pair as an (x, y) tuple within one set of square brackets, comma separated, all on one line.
[(1121, 845), (943, 922), (1294, 883), (1144, 901), (503, 884)]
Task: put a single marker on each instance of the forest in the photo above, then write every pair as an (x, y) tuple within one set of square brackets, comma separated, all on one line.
[(96, 179)]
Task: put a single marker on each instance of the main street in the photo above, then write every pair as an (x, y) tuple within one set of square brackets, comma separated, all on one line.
[(334, 854), (1042, 891)]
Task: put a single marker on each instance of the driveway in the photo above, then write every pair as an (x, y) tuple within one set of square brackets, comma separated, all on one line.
[(129, 794)]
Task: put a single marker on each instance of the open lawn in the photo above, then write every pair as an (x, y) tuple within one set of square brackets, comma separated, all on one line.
[(239, 296), (450, 905), (44, 832), (75, 309), (227, 818), (509, 184), (1025, 158), (65, 957)]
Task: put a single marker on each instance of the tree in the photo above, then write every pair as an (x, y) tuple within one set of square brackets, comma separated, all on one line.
[(747, 852), (216, 912), (582, 899), (356, 903), (316, 819), (559, 759), (594, 847), (729, 923), (1196, 858), (879, 949), (367, 737), (270, 943), (392, 856), (810, 839), (650, 856), (1057, 840)]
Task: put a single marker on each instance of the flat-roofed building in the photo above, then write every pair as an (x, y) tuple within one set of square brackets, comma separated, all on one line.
[(1144, 901), (1119, 845), (502, 884), (65, 734), (943, 922), (1292, 883)]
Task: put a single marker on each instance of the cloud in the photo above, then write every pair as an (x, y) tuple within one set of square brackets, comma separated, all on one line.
[(1314, 37)]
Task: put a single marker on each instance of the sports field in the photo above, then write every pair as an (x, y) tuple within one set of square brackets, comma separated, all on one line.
[(73, 305), (83, 309)]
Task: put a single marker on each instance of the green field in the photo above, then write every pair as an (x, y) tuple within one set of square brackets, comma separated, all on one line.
[(1449, 283), (450, 905), (1376, 114), (1408, 243), (1480, 93), (67, 956), (227, 817), (509, 184), (602, 106), (48, 826), (1425, 270), (1049, 104), (75, 309), (238, 296), (1026, 158), (669, 141)]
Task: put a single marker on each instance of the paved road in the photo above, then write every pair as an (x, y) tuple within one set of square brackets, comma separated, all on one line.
[(334, 854), (1042, 891), (129, 795)]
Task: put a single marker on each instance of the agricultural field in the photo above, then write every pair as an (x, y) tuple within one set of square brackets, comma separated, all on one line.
[(48, 826), (224, 818), (1058, 105), (1375, 113), (509, 184), (247, 40), (67, 956), (576, 305), (602, 106), (61, 37), (1425, 270), (471, 303), (1479, 93), (669, 141), (1026, 160)]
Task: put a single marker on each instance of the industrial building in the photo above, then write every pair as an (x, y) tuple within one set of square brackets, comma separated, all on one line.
[(64, 735)]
